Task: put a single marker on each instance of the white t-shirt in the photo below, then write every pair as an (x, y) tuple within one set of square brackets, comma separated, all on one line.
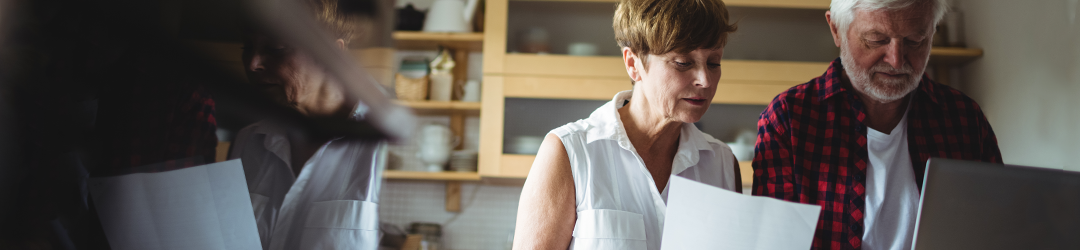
[(618, 204), (892, 198)]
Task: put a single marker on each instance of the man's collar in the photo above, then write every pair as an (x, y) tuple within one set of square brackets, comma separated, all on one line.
[(832, 83)]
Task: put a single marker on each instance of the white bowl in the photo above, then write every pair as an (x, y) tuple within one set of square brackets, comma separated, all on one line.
[(526, 145)]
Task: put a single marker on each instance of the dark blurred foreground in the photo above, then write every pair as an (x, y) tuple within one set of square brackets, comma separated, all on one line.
[(99, 88)]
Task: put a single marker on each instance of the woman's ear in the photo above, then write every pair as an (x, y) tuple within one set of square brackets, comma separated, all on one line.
[(340, 43), (632, 64)]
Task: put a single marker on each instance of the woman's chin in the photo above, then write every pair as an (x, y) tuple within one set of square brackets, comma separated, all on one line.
[(690, 117)]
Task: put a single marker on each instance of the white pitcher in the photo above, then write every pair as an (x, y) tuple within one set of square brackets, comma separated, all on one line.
[(450, 16)]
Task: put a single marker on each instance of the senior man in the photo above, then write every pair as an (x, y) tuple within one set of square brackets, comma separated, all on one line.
[(855, 140)]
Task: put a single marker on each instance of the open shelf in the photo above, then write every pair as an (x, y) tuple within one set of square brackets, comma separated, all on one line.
[(435, 176), (415, 40)]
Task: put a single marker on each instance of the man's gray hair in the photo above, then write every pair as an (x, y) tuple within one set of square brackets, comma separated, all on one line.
[(843, 11)]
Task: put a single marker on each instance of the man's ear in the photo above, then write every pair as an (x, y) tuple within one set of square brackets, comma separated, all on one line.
[(632, 63), (832, 28), (340, 43)]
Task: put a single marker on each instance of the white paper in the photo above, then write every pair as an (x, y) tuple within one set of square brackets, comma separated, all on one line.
[(203, 207), (700, 216)]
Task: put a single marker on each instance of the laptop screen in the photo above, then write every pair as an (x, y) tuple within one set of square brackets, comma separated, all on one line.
[(975, 205)]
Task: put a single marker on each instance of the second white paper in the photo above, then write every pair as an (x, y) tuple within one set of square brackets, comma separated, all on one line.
[(700, 216), (202, 207)]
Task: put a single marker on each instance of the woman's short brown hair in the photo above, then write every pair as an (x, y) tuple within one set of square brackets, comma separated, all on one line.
[(338, 19), (661, 26)]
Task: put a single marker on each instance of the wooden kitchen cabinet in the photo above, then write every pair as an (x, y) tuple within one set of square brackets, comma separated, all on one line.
[(553, 76)]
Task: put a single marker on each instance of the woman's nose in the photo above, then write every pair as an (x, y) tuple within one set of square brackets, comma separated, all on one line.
[(701, 79)]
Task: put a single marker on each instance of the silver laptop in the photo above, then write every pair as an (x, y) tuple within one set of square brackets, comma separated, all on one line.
[(975, 205)]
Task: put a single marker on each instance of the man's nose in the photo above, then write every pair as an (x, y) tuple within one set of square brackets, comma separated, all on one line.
[(894, 54), (256, 63)]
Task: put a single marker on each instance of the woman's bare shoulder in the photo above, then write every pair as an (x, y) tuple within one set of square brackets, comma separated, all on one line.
[(547, 210)]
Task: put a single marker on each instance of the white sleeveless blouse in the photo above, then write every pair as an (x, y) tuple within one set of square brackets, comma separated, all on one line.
[(618, 205)]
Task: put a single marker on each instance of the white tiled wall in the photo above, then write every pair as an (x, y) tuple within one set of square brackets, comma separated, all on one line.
[(485, 222)]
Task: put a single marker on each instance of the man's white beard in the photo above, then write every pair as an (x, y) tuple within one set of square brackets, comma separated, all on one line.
[(881, 90)]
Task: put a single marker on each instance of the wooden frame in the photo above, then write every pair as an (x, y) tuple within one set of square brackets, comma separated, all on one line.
[(491, 125)]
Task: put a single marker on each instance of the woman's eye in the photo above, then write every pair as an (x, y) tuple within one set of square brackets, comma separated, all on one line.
[(682, 64)]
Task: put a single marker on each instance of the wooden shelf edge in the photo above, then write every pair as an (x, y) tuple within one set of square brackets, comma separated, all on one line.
[(414, 40), (602, 89), (610, 67), (451, 105), (437, 36), (432, 176), (746, 170), (955, 51), (951, 56)]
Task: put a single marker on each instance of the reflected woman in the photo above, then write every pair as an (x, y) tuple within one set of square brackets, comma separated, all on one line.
[(309, 189), (601, 182)]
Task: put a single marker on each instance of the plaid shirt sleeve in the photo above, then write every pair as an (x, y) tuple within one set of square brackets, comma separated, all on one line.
[(989, 145), (772, 163), (951, 125), (794, 163)]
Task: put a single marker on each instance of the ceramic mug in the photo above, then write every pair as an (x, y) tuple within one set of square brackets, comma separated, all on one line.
[(472, 91)]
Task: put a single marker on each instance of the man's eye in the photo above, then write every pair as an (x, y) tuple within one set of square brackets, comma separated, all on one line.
[(714, 65)]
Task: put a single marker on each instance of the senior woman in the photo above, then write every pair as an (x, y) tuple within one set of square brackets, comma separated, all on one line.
[(601, 182)]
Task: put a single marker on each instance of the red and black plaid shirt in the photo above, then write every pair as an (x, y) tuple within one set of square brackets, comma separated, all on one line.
[(811, 147)]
